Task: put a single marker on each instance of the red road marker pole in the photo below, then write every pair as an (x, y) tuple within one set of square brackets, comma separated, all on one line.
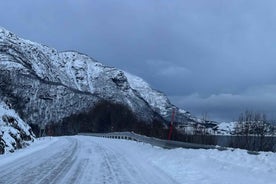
[(171, 125)]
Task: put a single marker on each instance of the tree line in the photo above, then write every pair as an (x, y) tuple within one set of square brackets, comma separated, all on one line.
[(105, 117)]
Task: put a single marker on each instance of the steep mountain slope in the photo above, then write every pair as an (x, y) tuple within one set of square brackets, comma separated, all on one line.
[(14, 132), (158, 100), (45, 86)]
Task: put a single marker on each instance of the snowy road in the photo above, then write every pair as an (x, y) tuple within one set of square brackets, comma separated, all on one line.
[(85, 159), (80, 159)]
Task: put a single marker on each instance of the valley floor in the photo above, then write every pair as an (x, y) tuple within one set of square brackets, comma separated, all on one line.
[(84, 159)]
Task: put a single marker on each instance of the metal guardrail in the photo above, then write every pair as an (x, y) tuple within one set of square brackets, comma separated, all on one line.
[(153, 141)]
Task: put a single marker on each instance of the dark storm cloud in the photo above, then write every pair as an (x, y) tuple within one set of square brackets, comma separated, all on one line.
[(205, 55), (223, 107)]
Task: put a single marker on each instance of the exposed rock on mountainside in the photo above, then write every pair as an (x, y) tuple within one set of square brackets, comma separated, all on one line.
[(46, 86), (14, 132), (158, 100)]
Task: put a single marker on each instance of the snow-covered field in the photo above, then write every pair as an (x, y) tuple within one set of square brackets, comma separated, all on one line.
[(84, 159)]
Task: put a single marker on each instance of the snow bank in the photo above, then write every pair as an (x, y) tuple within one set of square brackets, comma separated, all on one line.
[(216, 167), (37, 145), (14, 132), (193, 166)]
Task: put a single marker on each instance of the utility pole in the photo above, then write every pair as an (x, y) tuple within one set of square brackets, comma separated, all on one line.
[(171, 125)]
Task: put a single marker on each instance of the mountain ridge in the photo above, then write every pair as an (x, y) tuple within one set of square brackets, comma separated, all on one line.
[(37, 79)]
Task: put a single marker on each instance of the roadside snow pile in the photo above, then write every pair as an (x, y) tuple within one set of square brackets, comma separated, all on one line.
[(193, 166), (212, 166), (14, 132)]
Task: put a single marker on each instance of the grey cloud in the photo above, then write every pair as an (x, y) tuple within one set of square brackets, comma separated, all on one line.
[(207, 47), (229, 106), (167, 69)]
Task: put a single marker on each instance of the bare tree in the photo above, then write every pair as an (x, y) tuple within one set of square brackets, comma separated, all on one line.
[(253, 126)]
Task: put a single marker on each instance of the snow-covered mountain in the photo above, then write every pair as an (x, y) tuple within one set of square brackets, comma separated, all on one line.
[(14, 132), (45, 86), (158, 100)]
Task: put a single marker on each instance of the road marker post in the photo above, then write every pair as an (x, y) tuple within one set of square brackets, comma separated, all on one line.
[(171, 124)]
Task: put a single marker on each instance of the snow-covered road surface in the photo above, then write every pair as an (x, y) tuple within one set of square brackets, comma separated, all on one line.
[(80, 159), (84, 159)]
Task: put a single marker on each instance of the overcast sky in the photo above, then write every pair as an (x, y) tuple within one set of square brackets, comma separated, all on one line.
[(216, 57)]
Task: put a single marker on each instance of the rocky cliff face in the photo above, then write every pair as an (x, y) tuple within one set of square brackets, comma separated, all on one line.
[(45, 86)]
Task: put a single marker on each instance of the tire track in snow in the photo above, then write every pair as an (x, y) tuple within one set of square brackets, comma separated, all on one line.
[(61, 167), (129, 170), (105, 173), (83, 160), (35, 168), (116, 168)]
